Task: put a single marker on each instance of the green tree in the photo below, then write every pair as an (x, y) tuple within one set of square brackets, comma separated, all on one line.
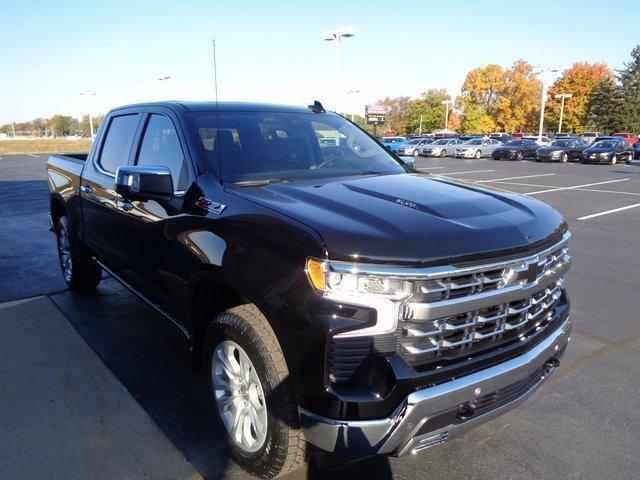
[(429, 106), (398, 118), (63, 125), (605, 107), (629, 79)]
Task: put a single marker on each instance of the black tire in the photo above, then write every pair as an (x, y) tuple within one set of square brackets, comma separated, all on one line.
[(443, 153), (478, 154), (84, 273), (564, 158), (284, 448), (613, 160), (519, 156), (416, 152)]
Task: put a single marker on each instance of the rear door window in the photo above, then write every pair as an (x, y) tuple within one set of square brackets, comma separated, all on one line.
[(161, 147), (117, 142)]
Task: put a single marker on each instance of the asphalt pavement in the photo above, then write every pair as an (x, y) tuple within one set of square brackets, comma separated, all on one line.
[(583, 423)]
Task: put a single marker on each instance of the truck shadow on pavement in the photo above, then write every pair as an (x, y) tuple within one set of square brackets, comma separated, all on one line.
[(151, 359)]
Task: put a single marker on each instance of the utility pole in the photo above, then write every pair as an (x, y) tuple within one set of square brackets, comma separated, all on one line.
[(562, 97), (446, 115), (13, 129), (420, 129)]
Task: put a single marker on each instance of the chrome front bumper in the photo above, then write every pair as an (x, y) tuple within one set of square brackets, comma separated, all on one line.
[(404, 432)]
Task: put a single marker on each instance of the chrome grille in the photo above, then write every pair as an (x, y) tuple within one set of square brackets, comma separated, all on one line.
[(472, 309)]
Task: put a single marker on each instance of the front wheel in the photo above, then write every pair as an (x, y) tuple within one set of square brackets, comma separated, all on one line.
[(250, 388), (478, 154), (564, 158), (519, 156), (416, 152), (613, 160), (80, 272)]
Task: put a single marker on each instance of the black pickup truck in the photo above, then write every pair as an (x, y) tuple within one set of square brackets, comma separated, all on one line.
[(338, 300)]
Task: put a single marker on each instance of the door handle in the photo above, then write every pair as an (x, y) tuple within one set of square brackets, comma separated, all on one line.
[(86, 189), (124, 205)]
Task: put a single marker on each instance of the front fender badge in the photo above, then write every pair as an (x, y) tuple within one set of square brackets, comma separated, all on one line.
[(210, 205)]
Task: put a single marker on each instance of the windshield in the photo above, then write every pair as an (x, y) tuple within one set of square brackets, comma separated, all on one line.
[(414, 142), (442, 141), (275, 145), (475, 141), (605, 144), (514, 143), (561, 143)]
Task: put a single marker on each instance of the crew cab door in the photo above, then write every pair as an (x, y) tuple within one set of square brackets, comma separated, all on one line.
[(158, 258), (100, 208)]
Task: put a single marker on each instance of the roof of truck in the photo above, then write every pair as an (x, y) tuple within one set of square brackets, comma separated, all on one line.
[(192, 106)]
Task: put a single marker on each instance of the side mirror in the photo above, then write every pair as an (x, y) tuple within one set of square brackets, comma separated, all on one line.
[(144, 182), (408, 162)]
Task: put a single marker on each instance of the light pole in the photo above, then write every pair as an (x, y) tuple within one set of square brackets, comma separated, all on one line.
[(446, 113), (354, 93), (345, 31), (93, 94), (540, 71), (561, 97)]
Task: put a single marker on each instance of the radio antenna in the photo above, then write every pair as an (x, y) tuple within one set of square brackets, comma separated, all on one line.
[(215, 91)]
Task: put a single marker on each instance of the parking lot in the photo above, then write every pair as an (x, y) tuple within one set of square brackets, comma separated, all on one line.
[(583, 423)]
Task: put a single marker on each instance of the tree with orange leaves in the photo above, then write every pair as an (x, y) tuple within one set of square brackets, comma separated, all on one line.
[(581, 81)]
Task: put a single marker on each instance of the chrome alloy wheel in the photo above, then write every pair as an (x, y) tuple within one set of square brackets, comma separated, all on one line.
[(64, 253), (239, 396)]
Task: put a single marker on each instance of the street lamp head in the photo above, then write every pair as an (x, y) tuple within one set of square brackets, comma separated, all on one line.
[(347, 31), (328, 35), (563, 95)]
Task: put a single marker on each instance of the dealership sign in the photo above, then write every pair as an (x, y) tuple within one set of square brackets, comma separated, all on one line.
[(375, 113)]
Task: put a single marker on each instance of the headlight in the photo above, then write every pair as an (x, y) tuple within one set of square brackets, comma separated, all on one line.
[(604, 154), (343, 280)]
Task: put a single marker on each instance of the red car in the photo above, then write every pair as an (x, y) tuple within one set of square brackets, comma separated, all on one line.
[(629, 137)]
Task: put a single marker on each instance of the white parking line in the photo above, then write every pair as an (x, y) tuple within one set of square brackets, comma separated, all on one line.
[(32, 155), (468, 171), (430, 168), (516, 178), (587, 217), (575, 186), (607, 191)]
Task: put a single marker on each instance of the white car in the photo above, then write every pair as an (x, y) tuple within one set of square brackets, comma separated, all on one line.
[(477, 148), (440, 148), (412, 147), (542, 141)]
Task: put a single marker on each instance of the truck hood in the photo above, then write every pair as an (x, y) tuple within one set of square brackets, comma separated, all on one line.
[(409, 218)]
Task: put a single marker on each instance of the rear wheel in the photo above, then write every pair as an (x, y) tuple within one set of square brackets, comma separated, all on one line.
[(80, 272), (564, 158), (443, 153), (251, 392)]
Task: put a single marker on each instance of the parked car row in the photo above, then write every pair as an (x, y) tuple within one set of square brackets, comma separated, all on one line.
[(610, 150), (444, 145)]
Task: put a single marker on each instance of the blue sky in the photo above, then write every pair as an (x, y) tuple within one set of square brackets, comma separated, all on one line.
[(272, 51)]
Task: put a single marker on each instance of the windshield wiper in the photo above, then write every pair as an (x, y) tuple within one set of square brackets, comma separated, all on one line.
[(260, 181)]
